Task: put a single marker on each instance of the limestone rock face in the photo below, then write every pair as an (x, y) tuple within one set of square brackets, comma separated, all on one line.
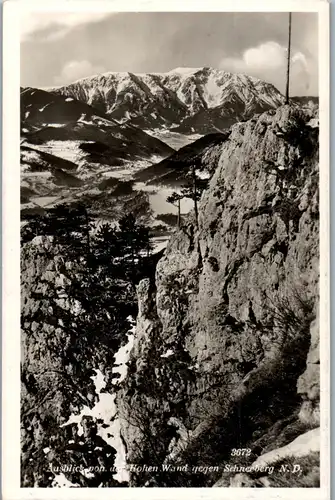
[(225, 330), (309, 381), (56, 376)]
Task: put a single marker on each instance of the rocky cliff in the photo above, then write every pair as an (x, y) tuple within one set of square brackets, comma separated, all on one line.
[(226, 348), (56, 377)]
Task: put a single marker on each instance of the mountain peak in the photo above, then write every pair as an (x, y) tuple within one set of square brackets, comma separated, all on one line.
[(185, 71)]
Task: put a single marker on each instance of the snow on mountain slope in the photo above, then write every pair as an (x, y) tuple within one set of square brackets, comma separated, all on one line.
[(166, 100), (173, 170), (105, 411), (174, 139), (33, 160), (50, 118)]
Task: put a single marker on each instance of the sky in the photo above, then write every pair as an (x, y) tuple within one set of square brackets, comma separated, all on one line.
[(59, 48)]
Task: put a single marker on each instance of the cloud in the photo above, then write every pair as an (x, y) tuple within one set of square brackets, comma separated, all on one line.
[(267, 55), (32, 23), (74, 70), (123, 41), (268, 61)]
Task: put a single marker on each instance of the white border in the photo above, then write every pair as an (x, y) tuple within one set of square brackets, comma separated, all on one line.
[(11, 249), (168, 5)]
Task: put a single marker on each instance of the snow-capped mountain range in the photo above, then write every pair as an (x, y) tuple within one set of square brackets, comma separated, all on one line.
[(186, 100), (48, 117), (119, 132), (69, 150)]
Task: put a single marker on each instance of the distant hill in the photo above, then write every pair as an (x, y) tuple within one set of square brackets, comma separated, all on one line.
[(202, 153), (305, 100), (62, 123)]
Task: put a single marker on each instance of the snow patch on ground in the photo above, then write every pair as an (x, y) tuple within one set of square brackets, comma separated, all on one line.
[(55, 125), (86, 122), (313, 123), (303, 445), (120, 366), (87, 473), (68, 150), (43, 108), (60, 481), (155, 159), (44, 201), (167, 354), (27, 156), (105, 409), (203, 174), (83, 119)]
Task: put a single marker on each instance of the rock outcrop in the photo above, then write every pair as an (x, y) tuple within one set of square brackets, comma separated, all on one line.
[(226, 347), (57, 379)]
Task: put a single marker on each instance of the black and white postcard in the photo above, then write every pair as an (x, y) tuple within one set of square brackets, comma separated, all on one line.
[(166, 230)]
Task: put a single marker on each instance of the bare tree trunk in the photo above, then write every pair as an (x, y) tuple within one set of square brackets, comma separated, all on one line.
[(178, 213), (88, 242), (195, 195), (287, 94)]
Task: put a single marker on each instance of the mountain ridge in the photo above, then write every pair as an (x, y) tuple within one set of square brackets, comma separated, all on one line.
[(182, 96), (48, 119)]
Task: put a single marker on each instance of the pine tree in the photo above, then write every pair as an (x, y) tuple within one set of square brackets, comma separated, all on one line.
[(135, 241), (193, 189), (174, 199), (70, 226), (81, 299), (97, 291)]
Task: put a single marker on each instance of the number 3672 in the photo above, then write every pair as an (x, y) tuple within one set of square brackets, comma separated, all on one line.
[(240, 452)]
